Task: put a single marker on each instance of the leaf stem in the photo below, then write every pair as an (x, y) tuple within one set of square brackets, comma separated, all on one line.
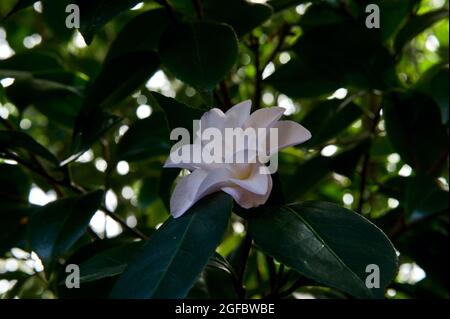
[(254, 45)]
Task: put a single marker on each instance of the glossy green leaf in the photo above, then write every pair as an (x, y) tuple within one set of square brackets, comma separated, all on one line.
[(12, 141), (120, 77), (88, 129), (347, 53), (217, 281), (168, 176), (177, 114), (310, 173), (20, 4), (142, 33), (108, 263), (424, 198), (298, 79), (14, 207), (55, 15), (117, 80), (415, 128), (394, 14), (435, 83), (145, 138), (327, 243), (176, 253), (417, 24), (55, 227), (199, 53), (242, 15), (330, 118), (96, 13)]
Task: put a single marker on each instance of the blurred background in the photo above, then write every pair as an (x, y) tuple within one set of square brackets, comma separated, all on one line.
[(378, 114)]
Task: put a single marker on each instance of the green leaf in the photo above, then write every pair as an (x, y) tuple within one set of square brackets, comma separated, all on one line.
[(88, 129), (415, 128), (307, 175), (334, 51), (116, 81), (168, 177), (328, 244), (108, 263), (417, 24), (329, 118), (12, 141), (59, 102), (14, 207), (177, 114), (176, 253), (435, 83), (199, 53), (55, 227), (20, 4), (394, 13), (217, 281), (298, 79), (242, 15), (55, 16), (120, 77), (96, 13), (132, 38), (36, 62), (347, 53), (322, 14), (145, 138), (424, 198)]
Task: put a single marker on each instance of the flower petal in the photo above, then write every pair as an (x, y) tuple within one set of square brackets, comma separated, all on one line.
[(186, 163), (238, 114), (265, 117), (256, 183), (247, 199), (195, 186), (212, 118), (289, 133), (184, 194)]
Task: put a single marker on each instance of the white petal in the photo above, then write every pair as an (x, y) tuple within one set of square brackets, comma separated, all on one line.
[(212, 118), (185, 192), (265, 117), (215, 180), (247, 199), (238, 114), (195, 186), (289, 133), (256, 183), (187, 163)]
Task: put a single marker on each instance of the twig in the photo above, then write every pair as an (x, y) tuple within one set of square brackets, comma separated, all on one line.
[(283, 33), (168, 8), (272, 273), (247, 245), (198, 5), (122, 223), (226, 96), (366, 160), (6, 123), (402, 226), (254, 45)]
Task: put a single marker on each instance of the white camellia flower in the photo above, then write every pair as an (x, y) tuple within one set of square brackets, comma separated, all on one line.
[(249, 183)]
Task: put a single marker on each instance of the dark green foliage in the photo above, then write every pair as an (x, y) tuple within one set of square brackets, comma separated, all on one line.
[(85, 132)]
